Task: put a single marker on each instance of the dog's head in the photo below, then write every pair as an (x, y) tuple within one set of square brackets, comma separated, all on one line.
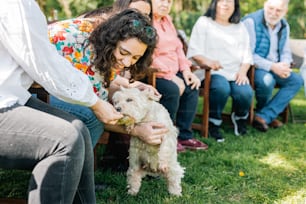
[(133, 103)]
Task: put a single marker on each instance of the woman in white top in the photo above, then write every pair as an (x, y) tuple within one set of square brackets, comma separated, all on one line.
[(219, 40)]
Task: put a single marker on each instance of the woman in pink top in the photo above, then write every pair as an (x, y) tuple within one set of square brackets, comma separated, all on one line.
[(177, 84)]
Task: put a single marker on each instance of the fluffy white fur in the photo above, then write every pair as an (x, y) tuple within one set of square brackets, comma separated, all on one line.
[(145, 159)]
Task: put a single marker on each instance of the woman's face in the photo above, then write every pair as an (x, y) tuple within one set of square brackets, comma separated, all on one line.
[(225, 9), (128, 52), (161, 8), (142, 6)]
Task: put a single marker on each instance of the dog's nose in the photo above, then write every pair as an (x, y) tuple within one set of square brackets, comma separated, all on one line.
[(118, 109)]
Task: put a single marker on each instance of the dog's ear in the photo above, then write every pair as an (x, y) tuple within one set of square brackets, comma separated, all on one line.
[(149, 93)]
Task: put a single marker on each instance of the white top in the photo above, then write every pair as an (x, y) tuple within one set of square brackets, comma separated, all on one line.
[(27, 55), (229, 45)]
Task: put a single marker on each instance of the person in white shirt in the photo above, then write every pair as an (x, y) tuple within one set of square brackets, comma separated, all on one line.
[(54, 144), (219, 40)]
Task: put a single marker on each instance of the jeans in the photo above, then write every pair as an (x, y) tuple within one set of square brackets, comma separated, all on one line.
[(182, 109), (268, 107), (53, 144), (85, 114), (220, 90)]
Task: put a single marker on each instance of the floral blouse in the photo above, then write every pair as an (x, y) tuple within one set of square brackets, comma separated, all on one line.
[(71, 40)]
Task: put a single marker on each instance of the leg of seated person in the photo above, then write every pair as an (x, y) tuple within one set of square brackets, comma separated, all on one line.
[(170, 95), (186, 111), (242, 98), (288, 88), (218, 95), (182, 110), (59, 152), (85, 114), (264, 85)]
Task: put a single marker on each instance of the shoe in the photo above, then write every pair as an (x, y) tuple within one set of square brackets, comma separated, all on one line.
[(193, 144), (260, 124), (180, 148), (276, 124), (214, 131), (239, 125)]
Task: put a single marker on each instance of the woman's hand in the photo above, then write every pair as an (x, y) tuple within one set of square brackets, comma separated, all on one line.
[(242, 79), (150, 132), (213, 64), (191, 79), (180, 83), (105, 112)]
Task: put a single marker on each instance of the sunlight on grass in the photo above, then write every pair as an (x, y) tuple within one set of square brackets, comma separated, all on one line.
[(299, 102), (298, 197), (277, 160)]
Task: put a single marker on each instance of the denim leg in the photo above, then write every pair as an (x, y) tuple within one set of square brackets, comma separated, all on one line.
[(288, 89), (58, 149), (170, 96), (218, 94), (264, 85), (186, 111), (85, 114), (242, 98)]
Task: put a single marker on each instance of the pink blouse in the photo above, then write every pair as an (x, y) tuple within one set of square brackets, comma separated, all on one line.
[(168, 55)]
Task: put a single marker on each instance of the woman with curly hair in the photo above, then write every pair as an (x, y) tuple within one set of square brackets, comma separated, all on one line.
[(125, 42)]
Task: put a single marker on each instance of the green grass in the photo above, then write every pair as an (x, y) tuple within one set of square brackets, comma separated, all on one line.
[(273, 164)]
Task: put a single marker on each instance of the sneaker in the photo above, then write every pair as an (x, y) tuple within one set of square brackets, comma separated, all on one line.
[(193, 144), (214, 131), (239, 125), (180, 148)]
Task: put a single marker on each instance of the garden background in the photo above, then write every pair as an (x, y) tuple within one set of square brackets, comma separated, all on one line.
[(184, 12)]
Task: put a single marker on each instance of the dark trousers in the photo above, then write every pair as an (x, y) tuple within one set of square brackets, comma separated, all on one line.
[(182, 109)]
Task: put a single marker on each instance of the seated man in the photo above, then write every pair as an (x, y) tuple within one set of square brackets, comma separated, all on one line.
[(269, 38)]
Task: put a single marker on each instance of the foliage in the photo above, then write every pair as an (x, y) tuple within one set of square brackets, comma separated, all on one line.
[(184, 12)]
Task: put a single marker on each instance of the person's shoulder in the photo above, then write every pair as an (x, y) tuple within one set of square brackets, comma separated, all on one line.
[(204, 20)]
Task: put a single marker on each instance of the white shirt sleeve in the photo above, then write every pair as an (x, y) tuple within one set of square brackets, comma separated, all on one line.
[(23, 33), (197, 38)]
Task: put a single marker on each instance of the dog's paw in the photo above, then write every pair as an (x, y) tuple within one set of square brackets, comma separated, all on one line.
[(175, 191), (132, 192)]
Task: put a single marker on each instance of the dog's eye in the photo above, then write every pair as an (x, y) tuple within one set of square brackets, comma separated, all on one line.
[(129, 100)]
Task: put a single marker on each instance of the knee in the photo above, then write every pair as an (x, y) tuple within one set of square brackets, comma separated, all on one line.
[(247, 93), (221, 89), (296, 80), (71, 141), (265, 84)]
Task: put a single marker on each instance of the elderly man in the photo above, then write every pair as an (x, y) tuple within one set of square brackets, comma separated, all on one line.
[(269, 38)]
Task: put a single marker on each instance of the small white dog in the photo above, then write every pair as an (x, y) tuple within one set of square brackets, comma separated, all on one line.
[(145, 159)]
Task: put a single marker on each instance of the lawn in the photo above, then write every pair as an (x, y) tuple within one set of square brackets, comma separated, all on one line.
[(258, 168)]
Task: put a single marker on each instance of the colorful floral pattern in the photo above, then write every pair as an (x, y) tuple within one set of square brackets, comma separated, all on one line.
[(70, 38)]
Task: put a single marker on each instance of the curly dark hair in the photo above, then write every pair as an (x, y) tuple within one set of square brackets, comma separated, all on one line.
[(125, 25)]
